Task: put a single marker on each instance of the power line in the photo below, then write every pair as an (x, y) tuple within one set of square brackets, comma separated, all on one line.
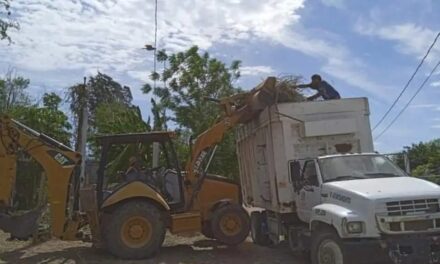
[(407, 84), (409, 102)]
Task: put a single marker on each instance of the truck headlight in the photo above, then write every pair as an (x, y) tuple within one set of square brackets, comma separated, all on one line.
[(355, 227)]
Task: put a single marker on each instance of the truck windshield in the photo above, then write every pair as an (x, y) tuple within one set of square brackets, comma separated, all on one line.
[(358, 167)]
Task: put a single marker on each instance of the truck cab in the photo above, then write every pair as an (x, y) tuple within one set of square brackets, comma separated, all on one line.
[(369, 203)]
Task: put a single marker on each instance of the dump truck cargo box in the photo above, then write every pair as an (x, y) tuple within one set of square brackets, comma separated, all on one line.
[(296, 131)]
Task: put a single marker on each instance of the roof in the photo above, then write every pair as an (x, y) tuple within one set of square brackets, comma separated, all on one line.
[(157, 136)]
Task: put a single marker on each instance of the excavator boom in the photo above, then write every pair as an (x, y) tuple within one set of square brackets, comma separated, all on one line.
[(59, 163), (238, 109)]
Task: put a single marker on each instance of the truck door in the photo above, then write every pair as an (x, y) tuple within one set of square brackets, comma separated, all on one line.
[(309, 194)]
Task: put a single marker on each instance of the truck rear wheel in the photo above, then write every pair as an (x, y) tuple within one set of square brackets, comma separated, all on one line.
[(327, 247), (259, 236), (134, 230), (230, 224)]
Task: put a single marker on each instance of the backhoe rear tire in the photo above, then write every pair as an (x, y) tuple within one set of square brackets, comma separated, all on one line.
[(230, 224), (134, 230)]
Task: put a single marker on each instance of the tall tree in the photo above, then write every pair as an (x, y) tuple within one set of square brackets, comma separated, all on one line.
[(100, 89), (6, 23), (13, 91), (192, 76)]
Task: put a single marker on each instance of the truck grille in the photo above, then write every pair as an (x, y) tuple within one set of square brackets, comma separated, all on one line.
[(421, 215), (415, 225), (413, 207)]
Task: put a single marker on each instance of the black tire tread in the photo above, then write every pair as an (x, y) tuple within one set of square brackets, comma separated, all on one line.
[(218, 234), (319, 235), (113, 222)]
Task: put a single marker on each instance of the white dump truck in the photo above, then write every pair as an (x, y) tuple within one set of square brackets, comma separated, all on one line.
[(311, 169)]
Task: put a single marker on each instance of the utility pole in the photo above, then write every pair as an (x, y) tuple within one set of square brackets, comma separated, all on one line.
[(83, 134)]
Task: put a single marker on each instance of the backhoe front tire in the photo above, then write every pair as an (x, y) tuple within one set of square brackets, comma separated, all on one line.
[(134, 230), (230, 224)]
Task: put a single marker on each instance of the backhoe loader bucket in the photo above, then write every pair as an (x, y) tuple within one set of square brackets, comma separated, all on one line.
[(20, 226)]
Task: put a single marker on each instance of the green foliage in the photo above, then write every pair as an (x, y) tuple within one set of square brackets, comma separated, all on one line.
[(424, 158), (13, 91), (117, 118), (5, 22), (188, 80), (100, 89), (47, 119), (51, 101)]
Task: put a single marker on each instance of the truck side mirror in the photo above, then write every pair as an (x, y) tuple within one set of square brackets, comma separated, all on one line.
[(295, 171)]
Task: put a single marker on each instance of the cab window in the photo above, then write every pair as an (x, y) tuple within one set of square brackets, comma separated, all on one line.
[(310, 177)]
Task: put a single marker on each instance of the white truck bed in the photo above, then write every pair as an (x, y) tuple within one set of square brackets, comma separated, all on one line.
[(294, 131)]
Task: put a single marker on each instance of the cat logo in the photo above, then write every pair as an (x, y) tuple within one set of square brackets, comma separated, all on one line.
[(60, 158)]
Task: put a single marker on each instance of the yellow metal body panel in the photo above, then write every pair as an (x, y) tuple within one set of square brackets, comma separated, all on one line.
[(132, 190), (8, 166), (185, 222), (214, 191), (71, 230)]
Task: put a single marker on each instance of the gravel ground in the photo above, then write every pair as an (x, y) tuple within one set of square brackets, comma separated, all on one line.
[(176, 250)]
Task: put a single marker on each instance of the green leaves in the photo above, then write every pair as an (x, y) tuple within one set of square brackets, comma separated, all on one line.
[(100, 89), (188, 77), (47, 119), (117, 118), (424, 158), (51, 101), (13, 91)]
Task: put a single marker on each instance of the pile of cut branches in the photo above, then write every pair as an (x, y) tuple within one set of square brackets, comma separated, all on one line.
[(286, 89)]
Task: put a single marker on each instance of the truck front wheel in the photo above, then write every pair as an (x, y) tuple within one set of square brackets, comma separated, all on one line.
[(327, 247)]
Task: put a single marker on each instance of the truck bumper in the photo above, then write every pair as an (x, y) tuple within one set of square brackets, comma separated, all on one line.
[(408, 249), (365, 251)]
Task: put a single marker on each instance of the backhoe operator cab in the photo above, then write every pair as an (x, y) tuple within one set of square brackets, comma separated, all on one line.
[(147, 158), (134, 211)]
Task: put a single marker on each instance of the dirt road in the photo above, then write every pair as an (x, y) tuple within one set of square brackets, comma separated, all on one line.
[(176, 250)]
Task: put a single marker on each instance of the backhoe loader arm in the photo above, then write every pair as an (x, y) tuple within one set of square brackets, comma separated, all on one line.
[(59, 163), (238, 109)]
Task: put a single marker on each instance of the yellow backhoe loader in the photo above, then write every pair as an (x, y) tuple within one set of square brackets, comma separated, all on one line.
[(129, 216)]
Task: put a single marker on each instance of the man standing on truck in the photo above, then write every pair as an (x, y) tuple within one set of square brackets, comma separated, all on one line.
[(323, 88)]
